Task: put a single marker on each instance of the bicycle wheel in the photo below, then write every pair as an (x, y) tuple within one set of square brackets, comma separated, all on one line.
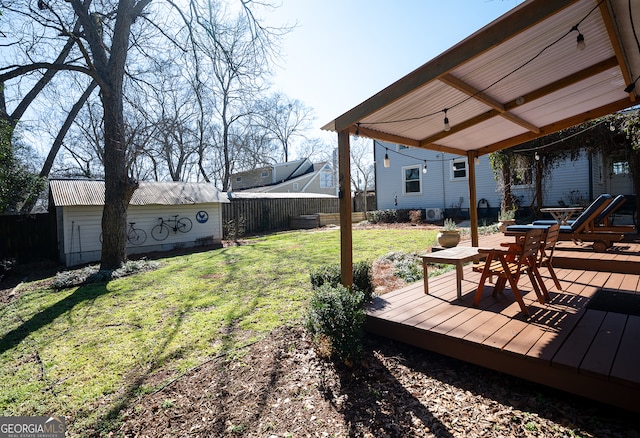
[(184, 224), (137, 236), (160, 232)]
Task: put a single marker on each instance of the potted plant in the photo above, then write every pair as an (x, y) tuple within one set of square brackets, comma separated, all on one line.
[(506, 217), (449, 236)]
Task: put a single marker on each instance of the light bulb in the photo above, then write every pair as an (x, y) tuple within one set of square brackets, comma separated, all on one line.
[(580, 42), (387, 162), (537, 156), (476, 160), (447, 126), (424, 168)]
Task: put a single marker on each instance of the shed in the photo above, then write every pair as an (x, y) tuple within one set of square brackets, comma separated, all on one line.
[(162, 216)]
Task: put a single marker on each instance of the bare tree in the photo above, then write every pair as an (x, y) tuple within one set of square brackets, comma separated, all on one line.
[(285, 120), (362, 169), (233, 54)]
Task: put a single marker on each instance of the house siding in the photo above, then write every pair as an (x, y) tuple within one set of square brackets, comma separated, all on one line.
[(438, 189), (80, 228), (568, 181)]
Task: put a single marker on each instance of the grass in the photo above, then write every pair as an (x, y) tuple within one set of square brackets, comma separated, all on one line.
[(88, 352)]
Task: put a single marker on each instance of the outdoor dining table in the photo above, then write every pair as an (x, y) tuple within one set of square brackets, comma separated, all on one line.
[(562, 214)]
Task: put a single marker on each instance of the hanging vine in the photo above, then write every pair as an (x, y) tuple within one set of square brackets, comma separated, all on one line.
[(614, 136)]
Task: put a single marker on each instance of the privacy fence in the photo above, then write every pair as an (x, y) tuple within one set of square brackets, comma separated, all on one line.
[(257, 215), (28, 238)]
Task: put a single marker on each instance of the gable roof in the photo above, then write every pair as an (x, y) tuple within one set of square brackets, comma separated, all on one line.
[(308, 176), (90, 192), (518, 78)]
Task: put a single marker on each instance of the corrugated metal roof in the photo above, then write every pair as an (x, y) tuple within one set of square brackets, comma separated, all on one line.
[(86, 192)]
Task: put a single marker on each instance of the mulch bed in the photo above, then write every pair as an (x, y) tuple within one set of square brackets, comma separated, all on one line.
[(281, 388)]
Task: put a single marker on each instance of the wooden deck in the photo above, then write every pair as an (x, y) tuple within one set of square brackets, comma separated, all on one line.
[(564, 345)]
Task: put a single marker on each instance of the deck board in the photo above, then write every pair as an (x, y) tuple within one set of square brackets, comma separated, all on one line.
[(562, 344)]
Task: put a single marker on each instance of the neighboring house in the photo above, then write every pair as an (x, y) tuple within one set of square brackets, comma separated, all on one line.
[(300, 176), (405, 185), (191, 212)]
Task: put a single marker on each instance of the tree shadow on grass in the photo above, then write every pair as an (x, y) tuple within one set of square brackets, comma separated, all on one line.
[(45, 317)]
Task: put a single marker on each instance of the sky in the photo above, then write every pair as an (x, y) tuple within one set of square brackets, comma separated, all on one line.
[(342, 52)]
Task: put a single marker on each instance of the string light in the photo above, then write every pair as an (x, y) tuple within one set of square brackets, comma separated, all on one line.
[(581, 45), (357, 134), (387, 162), (447, 127), (537, 156), (424, 168), (476, 160)]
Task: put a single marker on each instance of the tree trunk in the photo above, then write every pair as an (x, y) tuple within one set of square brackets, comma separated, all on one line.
[(118, 186)]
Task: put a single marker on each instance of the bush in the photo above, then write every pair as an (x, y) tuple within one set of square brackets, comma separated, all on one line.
[(382, 216), (406, 266), (330, 275), (335, 320)]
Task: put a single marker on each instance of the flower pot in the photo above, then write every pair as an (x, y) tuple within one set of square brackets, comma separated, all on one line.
[(503, 224), (448, 239)]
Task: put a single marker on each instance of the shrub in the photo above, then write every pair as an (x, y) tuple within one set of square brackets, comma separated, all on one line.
[(415, 216), (330, 275), (382, 216), (335, 320), (410, 270), (406, 266)]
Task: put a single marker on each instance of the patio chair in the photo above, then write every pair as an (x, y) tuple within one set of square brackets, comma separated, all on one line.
[(583, 228), (545, 255), (508, 264)]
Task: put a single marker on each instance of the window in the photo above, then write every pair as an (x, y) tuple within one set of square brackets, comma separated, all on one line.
[(412, 183), (620, 168), (238, 178), (326, 179), (459, 169), (265, 174), (295, 187), (522, 177)]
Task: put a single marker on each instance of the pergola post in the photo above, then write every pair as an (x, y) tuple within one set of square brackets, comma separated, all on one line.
[(344, 195), (473, 211)]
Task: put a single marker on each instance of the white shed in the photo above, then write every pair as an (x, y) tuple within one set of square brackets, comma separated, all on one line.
[(162, 216)]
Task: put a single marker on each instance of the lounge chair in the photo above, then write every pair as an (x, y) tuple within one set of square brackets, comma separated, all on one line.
[(603, 221), (583, 228)]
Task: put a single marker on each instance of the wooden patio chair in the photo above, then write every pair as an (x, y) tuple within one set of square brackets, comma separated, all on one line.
[(545, 254), (508, 264)]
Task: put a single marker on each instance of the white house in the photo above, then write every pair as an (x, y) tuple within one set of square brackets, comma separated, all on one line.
[(162, 216), (301, 176), (435, 181)]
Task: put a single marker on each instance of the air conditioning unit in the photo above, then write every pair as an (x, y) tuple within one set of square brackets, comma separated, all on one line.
[(434, 214)]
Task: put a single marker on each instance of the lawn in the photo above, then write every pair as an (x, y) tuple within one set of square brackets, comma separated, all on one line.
[(89, 351)]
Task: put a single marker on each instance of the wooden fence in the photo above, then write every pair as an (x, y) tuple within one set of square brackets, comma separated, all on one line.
[(258, 215), (28, 238)]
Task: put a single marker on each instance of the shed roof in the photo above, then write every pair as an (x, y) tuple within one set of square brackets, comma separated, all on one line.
[(89, 192), (518, 78)]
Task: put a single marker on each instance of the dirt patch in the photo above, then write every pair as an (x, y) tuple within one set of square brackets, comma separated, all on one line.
[(281, 388)]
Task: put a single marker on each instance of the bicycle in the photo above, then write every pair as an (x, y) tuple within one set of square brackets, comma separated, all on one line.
[(161, 231), (135, 236)]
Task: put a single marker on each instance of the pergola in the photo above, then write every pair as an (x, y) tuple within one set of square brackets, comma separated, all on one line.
[(540, 68)]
